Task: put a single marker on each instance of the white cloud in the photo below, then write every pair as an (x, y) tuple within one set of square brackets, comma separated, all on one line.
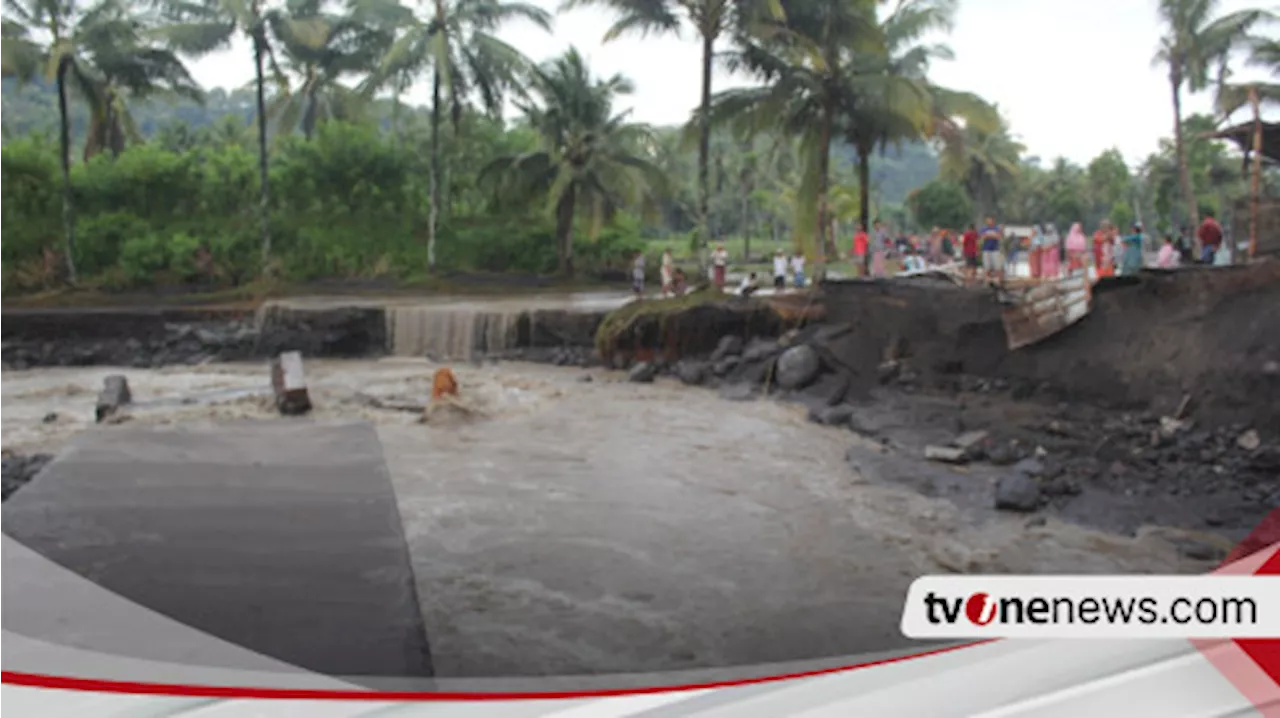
[(1074, 78)]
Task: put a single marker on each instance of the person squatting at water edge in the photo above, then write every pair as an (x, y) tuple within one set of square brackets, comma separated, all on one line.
[(750, 284)]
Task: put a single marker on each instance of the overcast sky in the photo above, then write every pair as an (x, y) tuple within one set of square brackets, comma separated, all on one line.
[(1074, 78)]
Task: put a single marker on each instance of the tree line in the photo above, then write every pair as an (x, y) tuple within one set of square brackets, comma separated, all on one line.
[(830, 76)]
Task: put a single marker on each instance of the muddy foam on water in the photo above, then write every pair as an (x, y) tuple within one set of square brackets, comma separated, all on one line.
[(532, 420)]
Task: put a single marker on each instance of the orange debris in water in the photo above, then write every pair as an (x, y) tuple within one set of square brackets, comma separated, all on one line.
[(445, 384)]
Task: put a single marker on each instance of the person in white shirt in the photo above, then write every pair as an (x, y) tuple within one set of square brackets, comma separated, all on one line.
[(719, 265), (637, 276), (668, 272), (750, 284), (797, 269), (779, 270)]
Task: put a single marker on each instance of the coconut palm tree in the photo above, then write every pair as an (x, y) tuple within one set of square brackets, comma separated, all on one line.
[(336, 46), (808, 90), (711, 19), (1195, 46), (104, 54), (198, 27), (124, 74), (895, 101), (1264, 53), (592, 161), (983, 162), (457, 41)]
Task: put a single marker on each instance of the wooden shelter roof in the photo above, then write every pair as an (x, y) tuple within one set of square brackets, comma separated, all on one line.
[(1242, 136)]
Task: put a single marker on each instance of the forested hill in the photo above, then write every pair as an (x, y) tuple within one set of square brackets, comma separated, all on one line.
[(34, 108)]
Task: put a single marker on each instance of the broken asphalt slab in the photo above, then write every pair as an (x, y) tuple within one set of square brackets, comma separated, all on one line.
[(283, 538)]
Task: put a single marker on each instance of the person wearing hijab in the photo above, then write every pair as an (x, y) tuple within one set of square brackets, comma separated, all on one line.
[(1104, 250), (1077, 246), (1131, 258), (1050, 265), (1168, 257), (1037, 250)]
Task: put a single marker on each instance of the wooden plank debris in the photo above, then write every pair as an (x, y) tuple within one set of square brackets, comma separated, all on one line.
[(1040, 311)]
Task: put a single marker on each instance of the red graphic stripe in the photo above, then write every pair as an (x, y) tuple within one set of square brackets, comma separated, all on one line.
[(1266, 652), (35, 680)]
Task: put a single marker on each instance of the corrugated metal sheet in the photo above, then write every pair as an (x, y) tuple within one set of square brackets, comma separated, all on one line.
[(1043, 310)]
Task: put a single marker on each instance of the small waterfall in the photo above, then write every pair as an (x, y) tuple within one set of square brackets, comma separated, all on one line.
[(445, 332)]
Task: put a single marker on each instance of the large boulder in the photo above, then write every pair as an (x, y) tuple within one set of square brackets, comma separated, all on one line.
[(797, 367), (1017, 492), (730, 345), (643, 373), (692, 373)]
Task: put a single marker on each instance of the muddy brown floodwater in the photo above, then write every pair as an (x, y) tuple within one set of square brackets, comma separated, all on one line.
[(595, 527)]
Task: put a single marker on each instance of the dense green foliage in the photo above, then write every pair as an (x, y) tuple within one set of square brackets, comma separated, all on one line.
[(340, 179), (348, 203)]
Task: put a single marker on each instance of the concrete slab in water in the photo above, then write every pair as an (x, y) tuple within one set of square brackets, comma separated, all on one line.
[(280, 537)]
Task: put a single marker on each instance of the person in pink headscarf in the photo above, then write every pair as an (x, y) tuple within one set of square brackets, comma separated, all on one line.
[(1077, 246)]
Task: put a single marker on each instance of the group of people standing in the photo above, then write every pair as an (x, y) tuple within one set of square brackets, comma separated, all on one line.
[(675, 284)]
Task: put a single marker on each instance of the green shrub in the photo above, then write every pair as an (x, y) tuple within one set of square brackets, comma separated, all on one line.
[(141, 258)]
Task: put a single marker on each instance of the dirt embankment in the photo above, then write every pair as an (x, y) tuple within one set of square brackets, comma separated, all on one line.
[(1213, 334)]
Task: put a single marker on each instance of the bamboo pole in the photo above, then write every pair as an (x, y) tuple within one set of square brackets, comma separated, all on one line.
[(1255, 190)]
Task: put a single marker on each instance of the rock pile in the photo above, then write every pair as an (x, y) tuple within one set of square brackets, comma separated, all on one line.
[(180, 343)]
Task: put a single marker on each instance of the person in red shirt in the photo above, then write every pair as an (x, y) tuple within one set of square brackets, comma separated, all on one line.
[(1210, 236), (861, 256), (970, 250)]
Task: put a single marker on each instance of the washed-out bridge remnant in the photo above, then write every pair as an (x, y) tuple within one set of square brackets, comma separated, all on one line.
[(1039, 311)]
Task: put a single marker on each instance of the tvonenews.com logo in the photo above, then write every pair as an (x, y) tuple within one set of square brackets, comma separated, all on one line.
[(981, 609), (1105, 606)]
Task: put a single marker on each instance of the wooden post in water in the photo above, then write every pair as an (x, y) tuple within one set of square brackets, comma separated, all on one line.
[(1255, 190)]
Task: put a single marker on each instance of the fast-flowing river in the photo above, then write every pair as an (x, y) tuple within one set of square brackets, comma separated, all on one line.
[(604, 526)]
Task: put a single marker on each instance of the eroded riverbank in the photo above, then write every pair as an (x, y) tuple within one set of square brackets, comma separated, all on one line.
[(607, 526)]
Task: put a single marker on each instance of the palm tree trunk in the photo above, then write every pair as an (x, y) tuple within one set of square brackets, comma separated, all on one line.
[(564, 231), (1184, 170), (64, 155), (864, 187), (704, 147), (309, 119), (433, 214), (1255, 182), (264, 209), (824, 179)]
